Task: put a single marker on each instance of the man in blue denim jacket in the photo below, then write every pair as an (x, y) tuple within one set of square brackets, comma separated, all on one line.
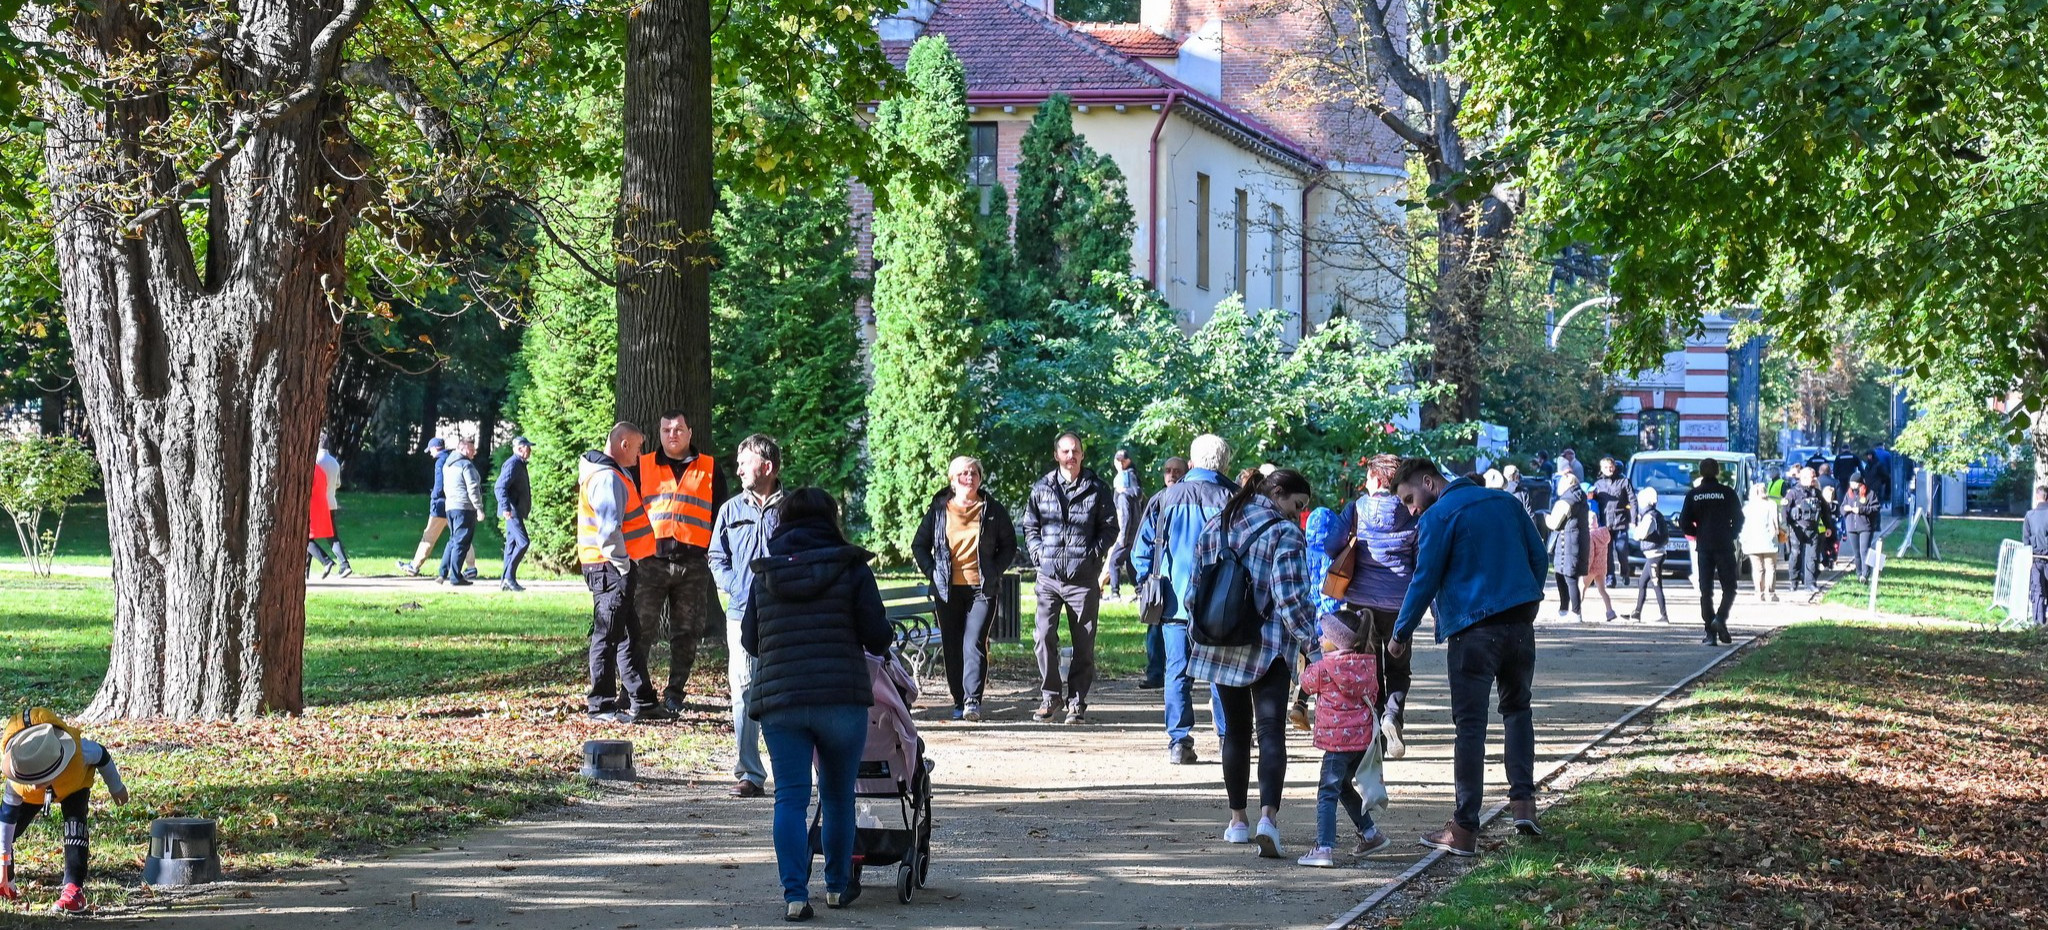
[(1479, 566)]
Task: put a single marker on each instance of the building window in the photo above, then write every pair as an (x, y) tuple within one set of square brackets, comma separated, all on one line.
[(1276, 254), (981, 168), (1202, 231), (1241, 219)]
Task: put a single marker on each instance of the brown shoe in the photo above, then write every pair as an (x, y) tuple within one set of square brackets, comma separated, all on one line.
[(1524, 814), (745, 789), (1452, 839)]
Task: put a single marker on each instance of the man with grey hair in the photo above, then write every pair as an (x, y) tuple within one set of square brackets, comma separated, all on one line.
[(464, 491), (738, 537), (1166, 546)]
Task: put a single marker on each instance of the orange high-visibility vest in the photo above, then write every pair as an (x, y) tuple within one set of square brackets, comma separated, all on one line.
[(76, 776), (590, 541), (680, 508)]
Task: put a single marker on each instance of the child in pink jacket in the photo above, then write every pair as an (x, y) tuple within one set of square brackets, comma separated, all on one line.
[(1344, 683)]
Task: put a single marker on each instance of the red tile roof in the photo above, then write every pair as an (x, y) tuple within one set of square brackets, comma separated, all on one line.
[(1131, 39), (1008, 47)]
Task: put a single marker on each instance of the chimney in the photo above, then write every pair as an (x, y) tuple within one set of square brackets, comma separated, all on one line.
[(908, 23)]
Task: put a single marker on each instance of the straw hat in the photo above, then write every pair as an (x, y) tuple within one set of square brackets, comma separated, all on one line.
[(38, 754)]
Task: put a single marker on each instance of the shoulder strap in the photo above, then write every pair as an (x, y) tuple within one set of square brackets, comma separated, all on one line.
[(1261, 531)]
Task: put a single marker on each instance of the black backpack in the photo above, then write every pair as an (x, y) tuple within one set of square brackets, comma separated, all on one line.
[(1660, 532), (1221, 607)]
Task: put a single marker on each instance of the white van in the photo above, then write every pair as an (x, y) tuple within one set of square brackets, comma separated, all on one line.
[(1672, 474)]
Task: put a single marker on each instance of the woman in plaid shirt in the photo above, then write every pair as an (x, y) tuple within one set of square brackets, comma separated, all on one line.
[(1261, 523)]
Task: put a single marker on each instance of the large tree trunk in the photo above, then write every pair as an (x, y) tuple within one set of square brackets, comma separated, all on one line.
[(1471, 238), (204, 391), (664, 221)]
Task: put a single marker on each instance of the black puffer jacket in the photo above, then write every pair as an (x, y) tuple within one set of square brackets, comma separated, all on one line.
[(1070, 531), (814, 614), (935, 558), (1859, 515), (1571, 547)]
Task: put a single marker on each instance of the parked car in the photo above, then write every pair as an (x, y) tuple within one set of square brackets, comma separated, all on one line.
[(1672, 474)]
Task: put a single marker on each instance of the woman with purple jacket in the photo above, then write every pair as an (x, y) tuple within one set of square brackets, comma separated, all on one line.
[(1385, 556)]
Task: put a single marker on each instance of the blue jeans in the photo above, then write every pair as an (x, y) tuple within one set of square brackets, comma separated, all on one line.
[(1180, 686), (838, 733), (1499, 650), (516, 544), (1339, 768), (461, 535), (739, 672), (1155, 654)]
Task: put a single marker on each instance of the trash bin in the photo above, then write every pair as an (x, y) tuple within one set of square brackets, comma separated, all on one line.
[(1007, 626)]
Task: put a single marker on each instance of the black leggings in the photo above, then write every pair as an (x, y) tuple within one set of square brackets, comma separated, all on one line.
[(19, 814), (1567, 592), (1653, 574), (1266, 701)]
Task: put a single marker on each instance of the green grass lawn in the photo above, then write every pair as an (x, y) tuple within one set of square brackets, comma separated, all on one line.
[(428, 711), (378, 530), (1841, 776), (1958, 587)]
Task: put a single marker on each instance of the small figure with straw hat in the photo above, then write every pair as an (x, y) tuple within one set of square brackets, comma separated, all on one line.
[(46, 763)]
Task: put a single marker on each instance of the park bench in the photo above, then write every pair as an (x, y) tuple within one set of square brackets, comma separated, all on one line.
[(913, 618)]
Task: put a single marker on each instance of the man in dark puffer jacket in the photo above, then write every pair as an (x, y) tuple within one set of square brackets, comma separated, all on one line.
[(1070, 525), (812, 619)]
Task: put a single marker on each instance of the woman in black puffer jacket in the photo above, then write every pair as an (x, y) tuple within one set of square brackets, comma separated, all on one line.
[(814, 618), (1571, 544)]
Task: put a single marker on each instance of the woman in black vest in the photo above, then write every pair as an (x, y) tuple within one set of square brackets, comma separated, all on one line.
[(814, 617)]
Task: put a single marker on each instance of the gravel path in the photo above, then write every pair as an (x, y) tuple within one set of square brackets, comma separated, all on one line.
[(1038, 826)]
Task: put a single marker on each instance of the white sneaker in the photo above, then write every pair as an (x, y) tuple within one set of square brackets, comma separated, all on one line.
[(1237, 833), (1570, 617), (1321, 857), (1268, 839), (1396, 746)]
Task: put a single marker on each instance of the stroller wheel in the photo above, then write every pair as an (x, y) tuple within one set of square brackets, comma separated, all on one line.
[(924, 865), (903, 883)]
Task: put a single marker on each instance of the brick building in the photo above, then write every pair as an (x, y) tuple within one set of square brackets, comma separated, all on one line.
[(1234, 192)]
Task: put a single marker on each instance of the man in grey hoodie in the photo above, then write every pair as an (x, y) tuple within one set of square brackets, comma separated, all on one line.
[(739, 536), (464, 491)]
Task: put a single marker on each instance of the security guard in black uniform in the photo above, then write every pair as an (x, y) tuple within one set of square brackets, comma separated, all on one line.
[(1712, 516)]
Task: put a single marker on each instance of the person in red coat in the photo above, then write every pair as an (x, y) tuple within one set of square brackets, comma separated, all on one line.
[(1345, 682), (322, 527)]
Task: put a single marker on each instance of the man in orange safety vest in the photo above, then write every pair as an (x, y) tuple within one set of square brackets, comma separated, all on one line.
[(683, 491)]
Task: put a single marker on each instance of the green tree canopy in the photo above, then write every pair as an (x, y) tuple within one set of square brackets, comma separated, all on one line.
[(920, 412)]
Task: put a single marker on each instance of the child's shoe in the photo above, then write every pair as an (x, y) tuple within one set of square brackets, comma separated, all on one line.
[(1298, 715), (72, 901), (1369, 843), (8, 892)]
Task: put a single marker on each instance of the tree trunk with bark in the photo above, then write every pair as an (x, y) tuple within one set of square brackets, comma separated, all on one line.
[(664, 221), (204, 384)]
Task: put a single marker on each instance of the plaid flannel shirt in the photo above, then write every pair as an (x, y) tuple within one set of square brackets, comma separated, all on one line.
[(1280, 586)]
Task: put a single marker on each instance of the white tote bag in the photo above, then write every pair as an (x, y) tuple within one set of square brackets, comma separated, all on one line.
[(1371, 778)]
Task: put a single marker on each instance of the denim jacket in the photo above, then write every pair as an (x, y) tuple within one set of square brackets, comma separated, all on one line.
[(1478, 554)]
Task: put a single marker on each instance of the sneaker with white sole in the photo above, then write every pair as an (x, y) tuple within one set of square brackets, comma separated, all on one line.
[(1321, 857), (1396, 747), (1369, 843), (1237, 833), (1267, 839)]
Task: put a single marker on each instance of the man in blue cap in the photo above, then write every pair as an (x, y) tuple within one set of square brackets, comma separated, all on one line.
[(515, 503)]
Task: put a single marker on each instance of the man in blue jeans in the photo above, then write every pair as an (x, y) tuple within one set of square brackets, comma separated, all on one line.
[(1480, 566), (1166, 544)]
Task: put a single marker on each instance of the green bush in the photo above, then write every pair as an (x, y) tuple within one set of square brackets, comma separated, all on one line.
[(39, 477)]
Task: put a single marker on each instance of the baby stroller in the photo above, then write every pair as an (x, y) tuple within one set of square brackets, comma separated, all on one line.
[(892, 769)]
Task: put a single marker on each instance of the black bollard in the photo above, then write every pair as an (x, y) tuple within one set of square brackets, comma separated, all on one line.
[(608, 760), (182, 851)]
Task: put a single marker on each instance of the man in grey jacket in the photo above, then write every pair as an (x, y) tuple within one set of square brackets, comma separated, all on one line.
[(464, 491), (1070, 524), (739, 536)]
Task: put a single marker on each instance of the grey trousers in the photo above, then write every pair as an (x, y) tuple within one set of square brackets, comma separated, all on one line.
[(1079, 601)]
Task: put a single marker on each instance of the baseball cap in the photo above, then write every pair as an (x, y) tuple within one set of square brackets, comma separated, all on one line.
[(519, 441), (437, 444)]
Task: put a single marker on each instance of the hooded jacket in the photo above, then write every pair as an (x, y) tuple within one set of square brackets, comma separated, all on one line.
[(1475, 556), (1614, 500), (935, 558), (1070, 530), (1385, 553), (813, 617)]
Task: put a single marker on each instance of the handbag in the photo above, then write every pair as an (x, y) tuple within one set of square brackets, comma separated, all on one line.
[(1155, 593), (1338, 579), (1372, 777)]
